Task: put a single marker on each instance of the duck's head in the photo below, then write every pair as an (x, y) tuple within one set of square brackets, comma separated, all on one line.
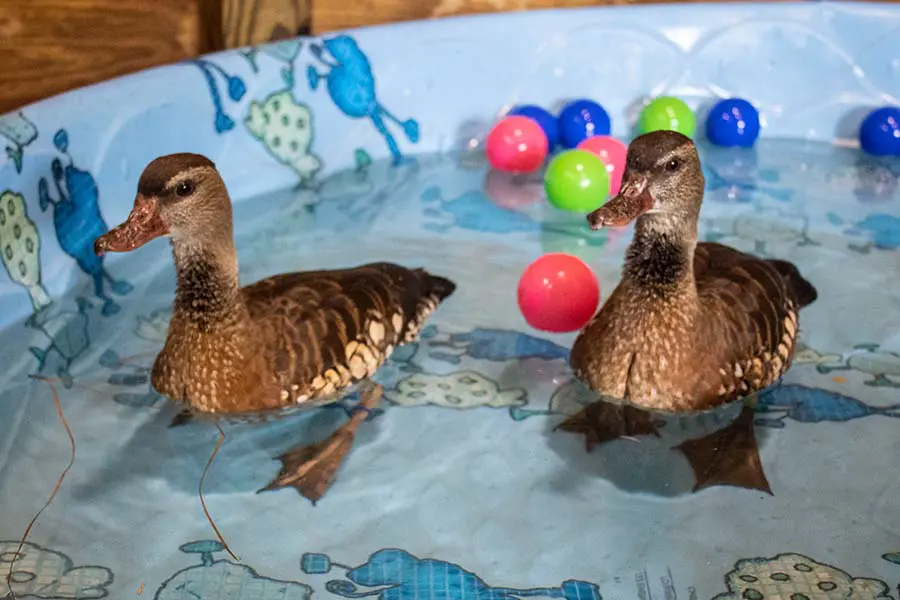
[(662, 176), (181, 196)]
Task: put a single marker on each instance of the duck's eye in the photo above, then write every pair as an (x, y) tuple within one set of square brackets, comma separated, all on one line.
[(184, 188), (673, 165)]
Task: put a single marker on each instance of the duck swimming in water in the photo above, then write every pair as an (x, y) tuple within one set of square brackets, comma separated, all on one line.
[(690, 326), (284, 343)]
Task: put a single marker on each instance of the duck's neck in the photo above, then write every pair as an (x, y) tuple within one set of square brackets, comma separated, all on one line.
[(661, 255), (208, 283)]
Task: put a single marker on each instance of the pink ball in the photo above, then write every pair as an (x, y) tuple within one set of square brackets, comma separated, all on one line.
[(516, 145), (558, 293), (612, 152)]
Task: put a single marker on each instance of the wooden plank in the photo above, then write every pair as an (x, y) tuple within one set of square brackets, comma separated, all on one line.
[(51, 46), (251, 22), (333, 15)]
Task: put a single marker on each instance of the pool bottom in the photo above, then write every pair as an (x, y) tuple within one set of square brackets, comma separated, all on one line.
[(471, 490)]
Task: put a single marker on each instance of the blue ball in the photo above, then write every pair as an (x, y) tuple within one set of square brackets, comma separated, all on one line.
[(547, 122), (580, 120), (880, 132), (732, 122)]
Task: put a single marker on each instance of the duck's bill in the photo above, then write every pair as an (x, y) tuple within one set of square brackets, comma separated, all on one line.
[(632, 201), (141, 226)]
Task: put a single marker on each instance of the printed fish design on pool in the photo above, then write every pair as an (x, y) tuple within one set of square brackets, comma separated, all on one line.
[(882, 364), (394, 574), (799, 403), (224, 579), (68, 334), (742, 189), (882, 229), (805, 404), (459, 390), (497, 345), (235, 88), (78, 221), (284, 127), (43, 574), (20, 248), (351, 85), (799, 577), (475, 211), (21, 132)]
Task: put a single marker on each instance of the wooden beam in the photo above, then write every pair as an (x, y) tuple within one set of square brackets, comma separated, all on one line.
[(251, 22), (52, 46)]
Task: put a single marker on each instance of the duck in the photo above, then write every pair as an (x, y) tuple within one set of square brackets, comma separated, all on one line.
[(285, 343), (691, 326)]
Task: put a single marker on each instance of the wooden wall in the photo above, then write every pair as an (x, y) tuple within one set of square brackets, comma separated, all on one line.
[(50, 46)]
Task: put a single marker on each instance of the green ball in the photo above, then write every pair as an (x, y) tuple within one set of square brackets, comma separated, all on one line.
[(576, 180), (667, 113)]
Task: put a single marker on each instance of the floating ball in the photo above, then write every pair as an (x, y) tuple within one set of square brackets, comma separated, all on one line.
[(612, 152), (667, 113), (558, 293), (879, 133), (582, 119), (543, 118), (732, 122), (516, 145), (576, 180)]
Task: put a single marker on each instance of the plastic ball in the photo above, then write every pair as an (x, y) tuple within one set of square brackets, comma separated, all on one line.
[(558, 293), (879, 133), (667, 113), (733, 122), (582, 119), (516, 145), (543, 118), (576, 180), (612, 152)]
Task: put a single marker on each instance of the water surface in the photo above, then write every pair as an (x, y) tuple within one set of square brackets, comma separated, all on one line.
[(463, 466)]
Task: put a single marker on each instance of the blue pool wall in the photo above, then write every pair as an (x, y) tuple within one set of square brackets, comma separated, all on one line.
[(71, 163)]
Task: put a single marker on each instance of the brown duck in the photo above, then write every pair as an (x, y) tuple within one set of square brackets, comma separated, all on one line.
[(286, 342), (691, 326)]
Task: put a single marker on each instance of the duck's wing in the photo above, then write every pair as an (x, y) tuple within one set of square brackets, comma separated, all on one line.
[(752, 307), (327, 330)]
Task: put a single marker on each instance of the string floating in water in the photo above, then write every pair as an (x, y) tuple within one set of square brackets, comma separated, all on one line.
[(200, 492), (59, 482)]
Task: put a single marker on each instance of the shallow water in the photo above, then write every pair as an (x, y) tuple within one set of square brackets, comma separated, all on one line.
[(463, 465)]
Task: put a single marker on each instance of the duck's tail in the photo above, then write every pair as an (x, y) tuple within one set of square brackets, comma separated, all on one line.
[(438, 288), (431, 292), (803, 291)]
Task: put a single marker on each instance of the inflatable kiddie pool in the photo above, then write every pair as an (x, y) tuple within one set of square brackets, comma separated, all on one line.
[(459, 487)]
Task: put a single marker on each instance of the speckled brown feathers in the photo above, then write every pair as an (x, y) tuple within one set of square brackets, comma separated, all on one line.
[(328, 330), (690, 326), (752, 307)]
